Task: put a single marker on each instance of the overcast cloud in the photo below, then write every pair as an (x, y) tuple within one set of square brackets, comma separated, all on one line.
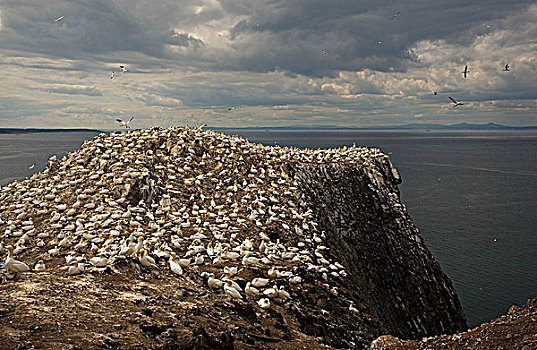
[(291, 62)]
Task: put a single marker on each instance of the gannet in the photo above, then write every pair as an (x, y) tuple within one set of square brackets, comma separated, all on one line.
[(465, 72), (40, 266), (15, 265), (146, 260), (125, 123), (59, 19), (352, 308), (174, 265), (229, 290), (112, 75), (99, 261), (271, 292), (506, 68), (251, 291), (455, 102), (31, 166), (123, 69), (263, 303)]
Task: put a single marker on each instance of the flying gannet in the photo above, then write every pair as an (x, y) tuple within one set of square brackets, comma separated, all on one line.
[(58, 19), (455, 102), (506, 68), (125, 123), (465, 72)]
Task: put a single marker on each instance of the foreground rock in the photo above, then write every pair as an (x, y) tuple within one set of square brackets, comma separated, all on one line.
[(516, 330), (184, 238)]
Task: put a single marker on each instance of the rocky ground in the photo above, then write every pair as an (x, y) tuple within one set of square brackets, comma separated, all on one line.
[(515, 331), (128, 308)]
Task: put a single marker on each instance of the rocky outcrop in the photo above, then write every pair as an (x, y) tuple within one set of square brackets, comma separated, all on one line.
[(516, 330), (341, 259), (370, 231)]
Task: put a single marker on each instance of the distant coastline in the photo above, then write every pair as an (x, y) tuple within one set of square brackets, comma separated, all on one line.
[(426, 127), (33, 130), (459, 126)]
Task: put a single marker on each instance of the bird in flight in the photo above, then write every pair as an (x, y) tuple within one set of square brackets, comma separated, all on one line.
[(125, 123), (58, 19), (506, 68), (455, 102), (123, 69), (112, 76), (232, 108), (396, 15), (435, 93), (465, 72), (31, 166)]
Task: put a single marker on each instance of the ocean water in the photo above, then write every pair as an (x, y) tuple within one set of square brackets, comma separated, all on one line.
[(473, 194)]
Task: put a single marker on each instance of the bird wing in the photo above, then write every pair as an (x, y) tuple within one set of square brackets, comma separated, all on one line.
[(121, 121), (131, 118), (452, 100), (121, 66)]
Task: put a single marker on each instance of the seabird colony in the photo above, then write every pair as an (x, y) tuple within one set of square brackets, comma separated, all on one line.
[(180, 201)]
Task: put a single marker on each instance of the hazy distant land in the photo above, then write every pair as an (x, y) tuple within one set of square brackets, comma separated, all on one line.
[(459, 126)]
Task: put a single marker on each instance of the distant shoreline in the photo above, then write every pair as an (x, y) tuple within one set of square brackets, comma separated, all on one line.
[(426, 127), (35, 130)]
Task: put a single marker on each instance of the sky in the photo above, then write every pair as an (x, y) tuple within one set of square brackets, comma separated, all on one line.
[(266, 63)]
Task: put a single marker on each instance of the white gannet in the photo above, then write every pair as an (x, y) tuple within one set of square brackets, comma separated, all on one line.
[(174, 264), (58, 19), (263, 303), (232, 292), (31, 166), (260, 282), (125, 123), (146, 260), (40, 266), (123, 69), (251, 291), (455, 102), (15, 265), (352, 308)]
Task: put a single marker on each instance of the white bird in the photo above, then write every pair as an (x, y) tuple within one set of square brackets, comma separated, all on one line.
[(214, 282), (251, 291), (455, 102), (352, 308), (123, 69), (264, 303), (232, 292), (125, 123), (58, 19), (31, 166), (271, 292), (15, 265), (40, 266), (99, 261), (396, 15), (174, 265), (75, 268), (146, 260), (259, 282)]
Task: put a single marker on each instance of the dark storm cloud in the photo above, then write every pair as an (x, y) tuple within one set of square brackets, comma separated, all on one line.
[(310, 37)]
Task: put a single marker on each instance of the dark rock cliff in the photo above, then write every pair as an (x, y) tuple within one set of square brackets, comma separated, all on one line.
[(370, 232)]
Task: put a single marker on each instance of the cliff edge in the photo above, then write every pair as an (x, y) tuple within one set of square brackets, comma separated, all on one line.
[(191, 239)]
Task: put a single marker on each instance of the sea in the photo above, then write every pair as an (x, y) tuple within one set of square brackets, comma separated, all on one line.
[(472, 194)]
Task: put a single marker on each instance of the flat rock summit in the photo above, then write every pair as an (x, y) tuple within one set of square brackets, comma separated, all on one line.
[(183, 238)]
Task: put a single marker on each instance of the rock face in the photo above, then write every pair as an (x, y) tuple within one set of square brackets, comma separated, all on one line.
[(173, 227), (370, 231), (516, 330)]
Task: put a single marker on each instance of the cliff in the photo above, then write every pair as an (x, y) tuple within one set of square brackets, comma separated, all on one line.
[(515, 330), (184, 238)]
